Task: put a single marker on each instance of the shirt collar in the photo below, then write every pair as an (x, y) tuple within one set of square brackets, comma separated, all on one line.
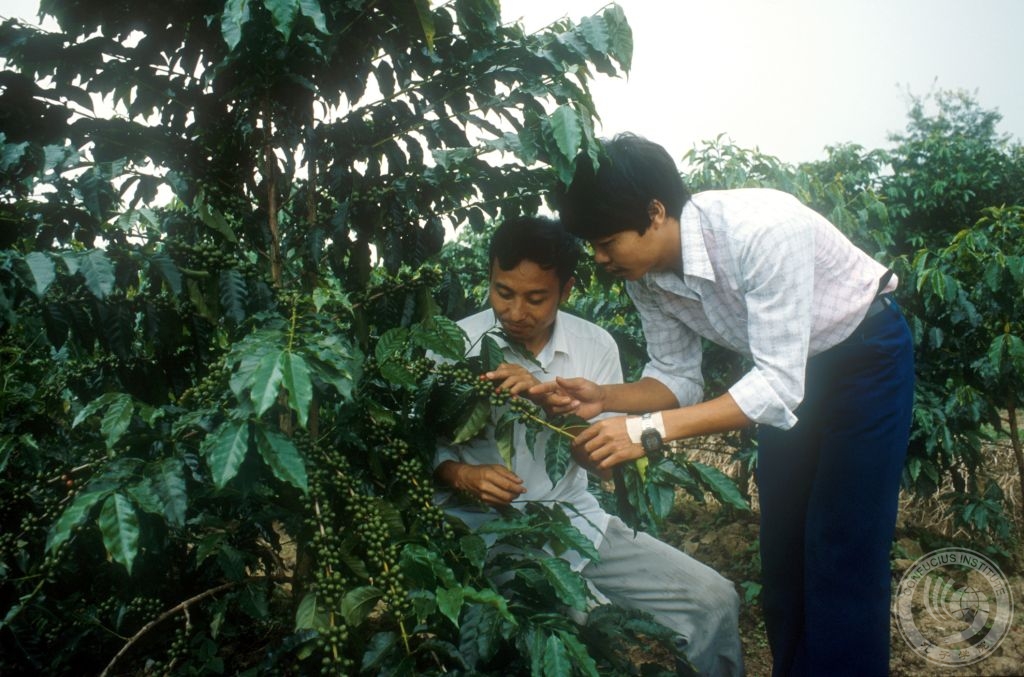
[(695, 257)]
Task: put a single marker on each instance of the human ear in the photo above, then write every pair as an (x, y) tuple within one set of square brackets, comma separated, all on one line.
[(655, 210), (566, 288)]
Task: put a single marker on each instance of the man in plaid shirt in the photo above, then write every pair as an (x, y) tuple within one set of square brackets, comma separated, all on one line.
[(830, 387)]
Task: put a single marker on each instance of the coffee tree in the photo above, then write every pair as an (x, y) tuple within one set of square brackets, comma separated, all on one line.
[(217, 292)]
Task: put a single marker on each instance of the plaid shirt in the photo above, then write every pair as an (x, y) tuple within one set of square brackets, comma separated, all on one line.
[(764, 276)]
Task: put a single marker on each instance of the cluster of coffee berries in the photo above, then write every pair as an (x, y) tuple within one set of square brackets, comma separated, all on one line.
[(212, 389), (206, 256), (420, 491)]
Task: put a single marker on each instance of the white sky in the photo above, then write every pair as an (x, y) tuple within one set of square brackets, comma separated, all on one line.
[(790, 76), (793, 76)]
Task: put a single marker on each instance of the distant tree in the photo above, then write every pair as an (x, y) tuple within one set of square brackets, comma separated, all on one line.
[(949, 165)]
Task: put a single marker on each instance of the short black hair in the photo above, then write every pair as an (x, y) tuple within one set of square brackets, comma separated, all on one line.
[(632, 171), (535, 238)]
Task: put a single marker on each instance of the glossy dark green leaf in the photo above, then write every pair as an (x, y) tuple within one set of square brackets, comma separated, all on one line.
[(295, 378), (119, 524), (72, 516), (358, 603), (570, 587), (282, 456), (225, 449), (233, 294), (43, 272), (474, 420), (267, 380), (98, 272), (234, 18), (557, 455), (720, 485)]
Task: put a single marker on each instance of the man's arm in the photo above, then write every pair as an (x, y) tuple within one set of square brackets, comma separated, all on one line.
[(607, 443), (587, 399)]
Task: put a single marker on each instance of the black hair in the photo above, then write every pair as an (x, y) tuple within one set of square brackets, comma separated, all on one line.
[(632, 172), (535, 238)]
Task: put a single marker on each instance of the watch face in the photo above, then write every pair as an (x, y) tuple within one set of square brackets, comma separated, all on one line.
[(651, 441)]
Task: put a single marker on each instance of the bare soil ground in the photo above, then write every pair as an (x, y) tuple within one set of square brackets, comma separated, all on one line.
[(727, 541)]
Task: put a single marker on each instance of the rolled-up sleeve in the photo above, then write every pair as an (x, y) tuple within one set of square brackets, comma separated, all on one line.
[(778, 281), (673, 349)]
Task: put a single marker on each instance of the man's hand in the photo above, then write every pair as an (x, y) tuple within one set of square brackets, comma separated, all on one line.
[(571, 396), (519, 381), (514, 378), (606, 444), (492, 484)]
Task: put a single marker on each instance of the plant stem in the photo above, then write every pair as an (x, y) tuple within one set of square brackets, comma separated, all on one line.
[(538, 419), (182, 606)]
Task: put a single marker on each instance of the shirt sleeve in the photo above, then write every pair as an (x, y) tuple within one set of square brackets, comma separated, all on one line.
[(674, 351), (777, 271)]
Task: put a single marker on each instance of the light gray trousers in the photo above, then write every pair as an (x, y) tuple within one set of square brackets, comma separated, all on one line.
[(637, 571)]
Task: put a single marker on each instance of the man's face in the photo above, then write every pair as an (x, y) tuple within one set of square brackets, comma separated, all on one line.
[(624, 254), (525, 299)]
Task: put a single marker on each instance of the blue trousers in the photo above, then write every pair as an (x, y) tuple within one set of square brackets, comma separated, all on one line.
[(828, 491)]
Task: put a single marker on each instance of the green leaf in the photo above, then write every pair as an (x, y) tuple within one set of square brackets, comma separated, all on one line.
[(309, 615), (492, 599), (578, 655), (43, 271), (449, 603), (98, 272), (311, 9), (557, 455), (568, 133), (94, 406), (426, 21), (391, 345), (595, 31), (119, 524), (491, 354), (117, 419), (225, 449), (266, 382), (620, 36), (233, 294), (72, 516), (282, 456), (358, 603), (283, 13), (564, 537), (163, 267), (168, 481), (569, 585), (296, 380), (380, 647), (723, 488), (11, 154), (442, 336), (504, 437), (556, 659), (473, 422), (235, 16)]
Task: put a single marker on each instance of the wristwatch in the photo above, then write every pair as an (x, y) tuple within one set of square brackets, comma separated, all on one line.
[(650, 438)]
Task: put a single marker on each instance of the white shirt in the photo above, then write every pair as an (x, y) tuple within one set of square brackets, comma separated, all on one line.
[(576, 348), (762, 275)]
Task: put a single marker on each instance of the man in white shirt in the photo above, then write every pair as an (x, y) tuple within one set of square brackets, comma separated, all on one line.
[(830, 389), (532, 265)]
